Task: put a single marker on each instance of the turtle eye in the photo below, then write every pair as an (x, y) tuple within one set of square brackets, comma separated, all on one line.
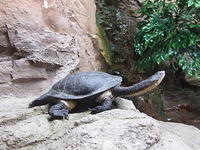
[(117, 73), (161, 72)]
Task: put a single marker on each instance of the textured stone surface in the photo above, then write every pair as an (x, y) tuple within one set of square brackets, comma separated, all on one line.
[(5, 71), (23, 71), (177, 135), (41, 41), (119, 129)]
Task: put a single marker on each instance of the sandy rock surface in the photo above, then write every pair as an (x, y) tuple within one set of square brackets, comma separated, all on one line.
[(124, 128)]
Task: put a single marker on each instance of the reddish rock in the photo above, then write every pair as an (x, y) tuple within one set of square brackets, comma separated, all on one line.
[(46, 40), (23, 71)]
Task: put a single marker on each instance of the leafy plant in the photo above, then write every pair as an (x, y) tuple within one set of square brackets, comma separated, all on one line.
[(170, 31), (112, 20)]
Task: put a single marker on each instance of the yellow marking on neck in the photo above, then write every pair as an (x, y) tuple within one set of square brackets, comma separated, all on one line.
[(147, 89), (103, 95), (70, 104)]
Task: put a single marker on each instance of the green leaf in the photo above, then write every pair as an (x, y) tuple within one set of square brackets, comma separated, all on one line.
[(170, 32), (197, 4), (190, 3)]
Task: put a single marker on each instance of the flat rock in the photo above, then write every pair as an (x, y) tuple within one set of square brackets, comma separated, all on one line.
[(121, 129)]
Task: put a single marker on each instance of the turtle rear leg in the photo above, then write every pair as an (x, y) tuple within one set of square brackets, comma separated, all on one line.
[(42, 100), (61, 109), (105, 105)]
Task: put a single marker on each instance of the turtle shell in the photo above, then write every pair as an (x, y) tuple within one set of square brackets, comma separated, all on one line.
[(84, 84)]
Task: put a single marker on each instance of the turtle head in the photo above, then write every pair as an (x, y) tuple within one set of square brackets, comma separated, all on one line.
[(156, 78), (149, 84), (141, 87)]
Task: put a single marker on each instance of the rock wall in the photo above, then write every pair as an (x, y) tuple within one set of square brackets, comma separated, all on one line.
[(42, 41)]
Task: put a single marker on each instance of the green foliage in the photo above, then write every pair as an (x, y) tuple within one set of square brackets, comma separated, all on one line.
[(170, 31), (112, 20)]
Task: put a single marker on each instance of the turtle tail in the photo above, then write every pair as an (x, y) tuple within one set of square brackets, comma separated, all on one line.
[(141, 87), (42, 100)]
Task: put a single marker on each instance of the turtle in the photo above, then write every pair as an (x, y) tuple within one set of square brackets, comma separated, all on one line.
[(93, 90)]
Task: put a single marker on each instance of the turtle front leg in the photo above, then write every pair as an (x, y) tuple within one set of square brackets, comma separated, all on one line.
[(106, 105), (59, 111)]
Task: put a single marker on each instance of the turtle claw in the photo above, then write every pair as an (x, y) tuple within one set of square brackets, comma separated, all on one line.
[(65, 114), (96, 109), (59, 117), (59, 111), (60, 114)]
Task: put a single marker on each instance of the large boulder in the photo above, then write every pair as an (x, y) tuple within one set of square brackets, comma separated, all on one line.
[(43, 41), (123, 128)]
